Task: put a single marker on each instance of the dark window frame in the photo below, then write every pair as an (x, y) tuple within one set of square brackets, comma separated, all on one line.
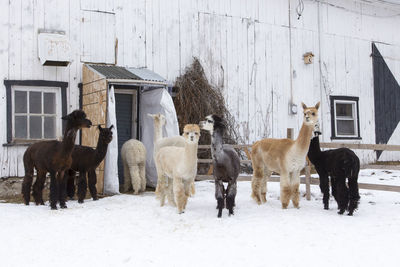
[(34, 83), (333, 117)]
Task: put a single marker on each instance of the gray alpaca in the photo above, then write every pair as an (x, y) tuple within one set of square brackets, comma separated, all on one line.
[(226, 163)]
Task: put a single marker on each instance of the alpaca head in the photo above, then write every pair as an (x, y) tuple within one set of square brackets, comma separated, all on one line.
[(310, 114), (212, 122), (191, 132), (106, 134), (158, 118), (77, 120)]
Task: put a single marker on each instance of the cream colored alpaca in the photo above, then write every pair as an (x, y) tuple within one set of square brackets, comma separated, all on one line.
[(284, 156), (177, 168), (160, 141), (133, 154)]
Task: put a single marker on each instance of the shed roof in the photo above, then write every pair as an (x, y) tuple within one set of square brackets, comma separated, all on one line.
[(115, 72)]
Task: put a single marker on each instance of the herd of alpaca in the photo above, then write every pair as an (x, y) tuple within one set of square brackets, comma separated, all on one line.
[(176, 163)]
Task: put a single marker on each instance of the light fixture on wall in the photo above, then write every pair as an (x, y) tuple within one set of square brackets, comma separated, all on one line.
[(308, 58)]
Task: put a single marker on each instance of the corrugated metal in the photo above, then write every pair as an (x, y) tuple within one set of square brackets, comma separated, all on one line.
[(146, 74), (114, 72)]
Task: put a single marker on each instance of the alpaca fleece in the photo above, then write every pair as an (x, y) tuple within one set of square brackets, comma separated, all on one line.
[(339, 164)]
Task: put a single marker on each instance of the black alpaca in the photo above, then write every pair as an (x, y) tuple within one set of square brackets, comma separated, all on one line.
[(226, 164), (339, 164), (53, 157), (85, 160)]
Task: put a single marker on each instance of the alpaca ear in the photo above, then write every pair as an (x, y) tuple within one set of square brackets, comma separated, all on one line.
[(151, 115), (112, 126), (66, 117), (99, 127), (304, 105), (317, 105)]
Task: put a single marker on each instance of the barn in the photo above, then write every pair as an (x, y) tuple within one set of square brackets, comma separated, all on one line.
[(267, 56)]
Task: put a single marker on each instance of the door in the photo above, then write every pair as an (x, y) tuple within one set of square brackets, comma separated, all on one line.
[(126, 113)]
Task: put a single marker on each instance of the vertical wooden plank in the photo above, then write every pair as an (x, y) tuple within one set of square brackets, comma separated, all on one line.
[(15, 38)]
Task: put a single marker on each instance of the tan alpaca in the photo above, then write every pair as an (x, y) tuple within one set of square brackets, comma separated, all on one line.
[(160, 141), (177, 168), (284, 156)]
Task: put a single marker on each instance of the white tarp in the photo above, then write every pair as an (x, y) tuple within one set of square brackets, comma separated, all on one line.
[(111, 182), (156, 101)]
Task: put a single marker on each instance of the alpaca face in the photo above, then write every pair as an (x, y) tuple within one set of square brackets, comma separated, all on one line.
[(310, 114), (208, 124), (77, 119), (159, 118), (191, 133), (106, 134)]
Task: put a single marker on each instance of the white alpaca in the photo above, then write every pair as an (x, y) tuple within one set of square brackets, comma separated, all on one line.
[(133, 154), (177, 168), (160, 141)]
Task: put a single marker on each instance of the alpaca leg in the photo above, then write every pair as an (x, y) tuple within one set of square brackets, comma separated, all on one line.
[(127, 179), (82, 186), (161, 188), (142, 177), (295, 192), (256, 184), (26, 185), (354, 196), (92, 181), (219, 195), (192, 189), (230, 196), (179, 193), (53, 191), (267, 175), (62, 189), (38, 187), (342, 194), (135, 178), (70, 183), (170, 191), (286, 191), (187, 187), (324, 186)]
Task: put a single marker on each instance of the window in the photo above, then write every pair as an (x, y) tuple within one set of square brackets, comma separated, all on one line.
[(34, 110), (345, 117)]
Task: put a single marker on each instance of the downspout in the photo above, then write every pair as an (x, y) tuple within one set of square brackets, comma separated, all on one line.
[(290, 60), (321, 82)]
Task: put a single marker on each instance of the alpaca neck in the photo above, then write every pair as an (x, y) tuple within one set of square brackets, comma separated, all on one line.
[(158, 128), (100, 152), (314, 151), (216, 143), (302, 142), (190, 154), (68, 141)]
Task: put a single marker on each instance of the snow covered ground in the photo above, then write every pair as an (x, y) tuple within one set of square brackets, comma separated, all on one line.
[(128, 230)]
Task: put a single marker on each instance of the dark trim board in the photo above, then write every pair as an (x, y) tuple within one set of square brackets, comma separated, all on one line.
[(37, 83), (350, 98), (386, 99)]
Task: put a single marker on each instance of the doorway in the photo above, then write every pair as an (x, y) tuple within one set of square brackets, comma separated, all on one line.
[(126, 108)]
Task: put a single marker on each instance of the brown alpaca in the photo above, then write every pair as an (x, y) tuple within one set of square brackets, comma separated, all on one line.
[(284, 156), (53, 157)]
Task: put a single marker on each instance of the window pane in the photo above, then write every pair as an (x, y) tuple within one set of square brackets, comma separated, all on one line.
[(35, 102), (49, 127), (35, 127), (20, 127), (346, 127), (20, 102), (49, 104), (344, 110)]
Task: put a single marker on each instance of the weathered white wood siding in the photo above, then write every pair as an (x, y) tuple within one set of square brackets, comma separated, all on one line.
[(251, 48)]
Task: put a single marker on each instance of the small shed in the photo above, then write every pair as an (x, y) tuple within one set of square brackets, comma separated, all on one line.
[(136, 92)]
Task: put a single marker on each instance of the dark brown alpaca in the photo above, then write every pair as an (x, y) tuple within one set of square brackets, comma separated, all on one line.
[(85, 160), (53, 157)]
